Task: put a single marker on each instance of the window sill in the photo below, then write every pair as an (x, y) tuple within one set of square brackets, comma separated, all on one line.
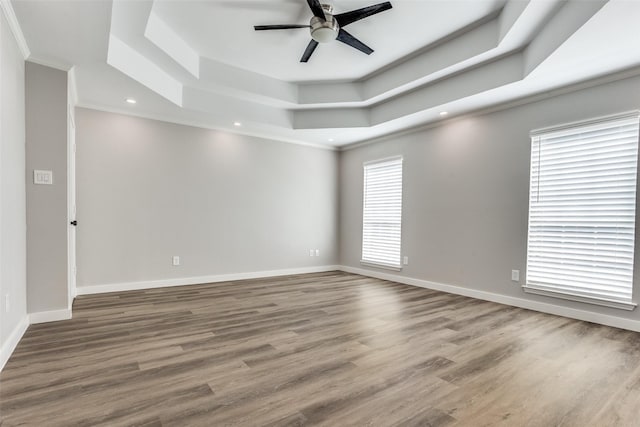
[(629, 306), (380, 265)]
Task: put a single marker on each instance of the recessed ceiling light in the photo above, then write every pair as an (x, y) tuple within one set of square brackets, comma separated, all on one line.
[(237, 124), (443, 113), (131, 100), (331, 139)]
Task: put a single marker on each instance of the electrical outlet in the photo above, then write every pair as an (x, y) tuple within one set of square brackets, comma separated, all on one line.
[(405, 260), (42, 177), (317, 252), (515, 275), (7, 305), (176, 260), (312, 252)]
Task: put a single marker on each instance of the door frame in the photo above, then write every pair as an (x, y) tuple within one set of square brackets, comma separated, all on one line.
[(71, 207)]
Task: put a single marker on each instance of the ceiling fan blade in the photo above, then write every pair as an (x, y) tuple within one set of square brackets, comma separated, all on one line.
[(316, 8), (358, 14), (347, 38), (309, 51), (278, 27)]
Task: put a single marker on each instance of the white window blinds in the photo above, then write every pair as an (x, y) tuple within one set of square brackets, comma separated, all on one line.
[(582, 210), (382, 213)]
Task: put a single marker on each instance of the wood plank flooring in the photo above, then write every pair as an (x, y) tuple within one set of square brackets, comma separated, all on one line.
[(329, 349)]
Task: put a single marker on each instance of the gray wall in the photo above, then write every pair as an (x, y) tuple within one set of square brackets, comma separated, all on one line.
[(46, 131), (224, 203), (465, 195), (12, 194)]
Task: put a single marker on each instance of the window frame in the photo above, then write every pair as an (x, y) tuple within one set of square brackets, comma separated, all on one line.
[(578, 126), (369, 262)]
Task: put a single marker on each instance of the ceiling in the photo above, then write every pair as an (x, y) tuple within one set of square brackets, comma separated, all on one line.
[(201, 63)]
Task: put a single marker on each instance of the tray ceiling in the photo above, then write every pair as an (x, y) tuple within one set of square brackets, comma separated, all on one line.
[(201, 62)]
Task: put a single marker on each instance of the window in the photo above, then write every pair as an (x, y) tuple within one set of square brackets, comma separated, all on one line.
[(582, 205), (382, 213)]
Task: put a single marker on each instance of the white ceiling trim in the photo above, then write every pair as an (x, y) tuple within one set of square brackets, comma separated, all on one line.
[(552, 93), (49, 63), (432, 76), (137, 66), (569, 18), (430, 63), (492, 74), (409, 73), (199, 124), (160, 34), (469, 81), (496, 53), (14, 25)]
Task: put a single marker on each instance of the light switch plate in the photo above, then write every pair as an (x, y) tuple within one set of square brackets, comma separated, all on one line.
[(42, 177), (515, 275)]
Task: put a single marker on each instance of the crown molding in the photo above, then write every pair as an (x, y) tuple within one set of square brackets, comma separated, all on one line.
[(51, 64), (14, 25), (200, 124), (540, 95)]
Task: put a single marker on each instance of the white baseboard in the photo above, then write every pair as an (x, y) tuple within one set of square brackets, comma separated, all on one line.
[(588, 316), (14, 338), (40, 317), (49, 316), (55, 315), (152, 284)]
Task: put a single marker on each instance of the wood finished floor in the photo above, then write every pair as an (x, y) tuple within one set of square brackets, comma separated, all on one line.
[(330, 349)]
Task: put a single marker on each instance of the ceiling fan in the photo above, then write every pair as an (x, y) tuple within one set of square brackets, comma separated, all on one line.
[(326, 27)]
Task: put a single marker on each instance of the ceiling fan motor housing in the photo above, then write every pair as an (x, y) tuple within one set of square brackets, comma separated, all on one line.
[(326, 27), (324, 30)]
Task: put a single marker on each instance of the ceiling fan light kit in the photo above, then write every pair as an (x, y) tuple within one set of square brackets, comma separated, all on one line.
[(324, 30), (326, 27)]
